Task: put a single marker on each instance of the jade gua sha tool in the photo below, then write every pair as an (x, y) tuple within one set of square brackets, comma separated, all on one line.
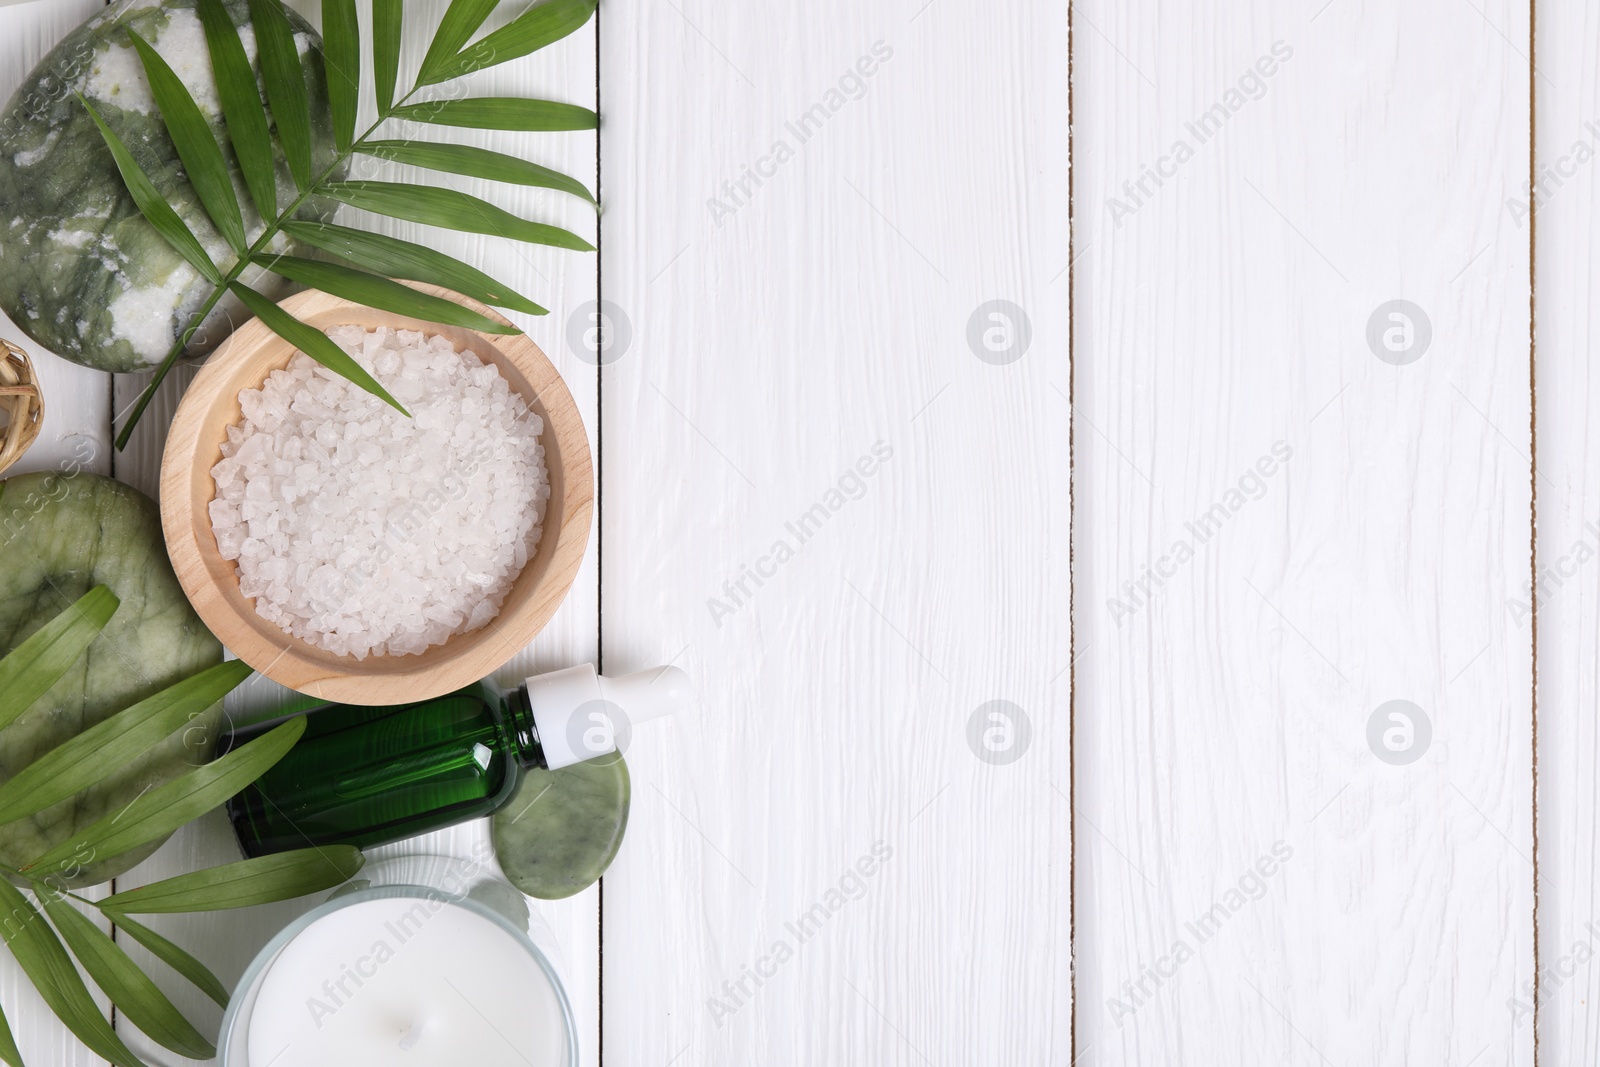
[(367, 776)]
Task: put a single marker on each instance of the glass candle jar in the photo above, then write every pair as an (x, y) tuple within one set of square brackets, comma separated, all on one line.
[(412, 973)]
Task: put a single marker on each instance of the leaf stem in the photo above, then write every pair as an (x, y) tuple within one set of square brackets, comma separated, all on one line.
[(259, 246), (37, 882)]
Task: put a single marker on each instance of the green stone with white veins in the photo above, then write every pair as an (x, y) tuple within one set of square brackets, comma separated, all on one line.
[(60, 536), (81, 271), (563, 828)]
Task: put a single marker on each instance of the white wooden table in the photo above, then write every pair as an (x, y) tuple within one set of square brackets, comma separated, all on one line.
[(1194, 489)]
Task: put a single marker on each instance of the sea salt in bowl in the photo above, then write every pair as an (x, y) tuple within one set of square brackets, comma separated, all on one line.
[(194, 447), (368, 531)]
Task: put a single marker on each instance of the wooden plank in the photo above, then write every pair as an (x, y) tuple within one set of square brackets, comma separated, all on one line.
[(561, 281), (76, 436), (809, 208), (1283, 526), (1568, 393), (77, 399)]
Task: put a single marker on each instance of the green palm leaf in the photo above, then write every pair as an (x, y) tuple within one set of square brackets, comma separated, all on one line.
[(198, 974), (198, 150), (263, 880), (152, 205), (285, 79), (460, 22), (314, 343), (241, 107), (28, 671), (475, 162), (341, 35), (381, 293), (50, 969), (501, 113), (8, 1044), (283, 82), (129, 988), (535, 28), (31, 668), (160, 811), (99, 751), (450, 209), (387, 20), (402, 259)]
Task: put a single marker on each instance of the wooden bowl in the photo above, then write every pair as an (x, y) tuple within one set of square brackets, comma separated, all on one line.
[(194, 446)]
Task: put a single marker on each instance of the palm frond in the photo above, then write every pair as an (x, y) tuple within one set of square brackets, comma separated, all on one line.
[(368, 259), (45, 954)]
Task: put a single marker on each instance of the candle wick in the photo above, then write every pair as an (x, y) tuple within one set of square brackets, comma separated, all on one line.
[(412, 1035)]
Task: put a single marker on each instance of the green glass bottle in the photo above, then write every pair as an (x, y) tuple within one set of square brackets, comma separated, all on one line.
[(366, 776)]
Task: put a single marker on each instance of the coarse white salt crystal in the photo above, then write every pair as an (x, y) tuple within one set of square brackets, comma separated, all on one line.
[(364, 532)]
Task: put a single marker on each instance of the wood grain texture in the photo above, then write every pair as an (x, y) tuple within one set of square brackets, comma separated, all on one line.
[(835, 857), (1278, 532), (78, 428), (76, 398), (76, 435), (559, 280), (1568, 209), (807, 205)]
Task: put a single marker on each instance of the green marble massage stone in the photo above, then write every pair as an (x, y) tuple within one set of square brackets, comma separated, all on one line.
[(563, 828), (60, 536), (83, 273)]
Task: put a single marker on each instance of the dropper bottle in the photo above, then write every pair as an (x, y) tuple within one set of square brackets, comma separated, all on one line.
[(366, 776)]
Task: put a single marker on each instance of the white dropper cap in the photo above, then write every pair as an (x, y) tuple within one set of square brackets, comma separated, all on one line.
[(581, 715)]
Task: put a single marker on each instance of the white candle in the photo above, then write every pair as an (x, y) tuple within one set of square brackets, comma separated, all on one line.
[(409, 982)]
